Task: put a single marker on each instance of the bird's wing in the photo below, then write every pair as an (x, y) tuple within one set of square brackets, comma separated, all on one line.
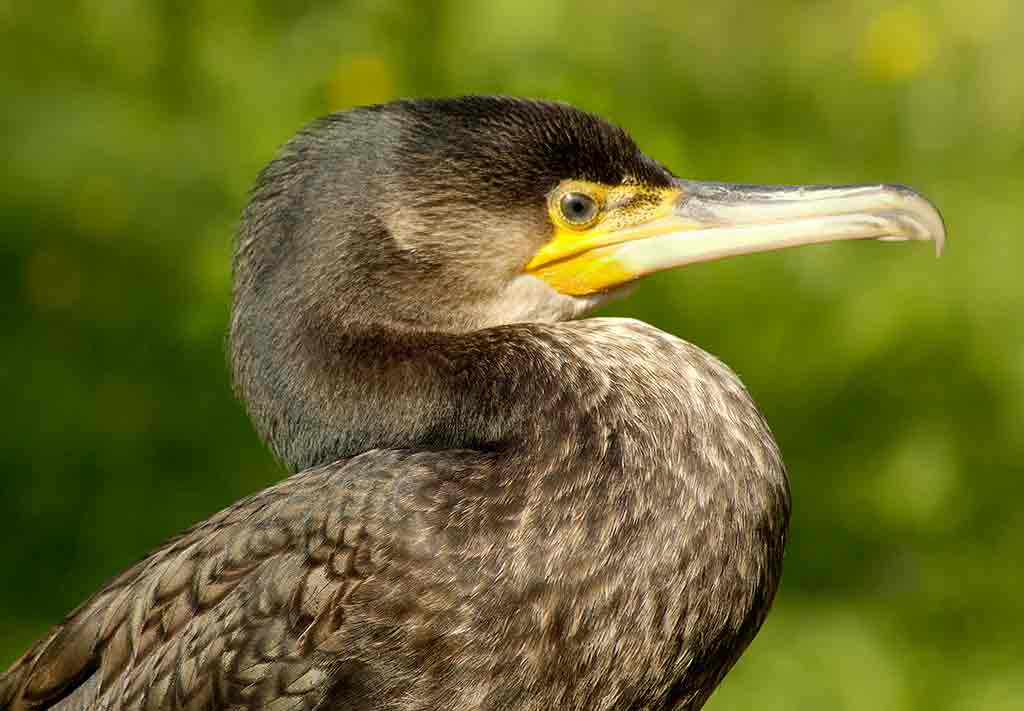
[(233, 613)]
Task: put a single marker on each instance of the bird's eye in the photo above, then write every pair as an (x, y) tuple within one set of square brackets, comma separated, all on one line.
[(578, 209)]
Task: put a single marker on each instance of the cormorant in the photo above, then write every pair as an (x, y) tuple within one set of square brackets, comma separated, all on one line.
[(496, 507)]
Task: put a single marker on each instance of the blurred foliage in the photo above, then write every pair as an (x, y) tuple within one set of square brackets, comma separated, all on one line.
[(131, 130)]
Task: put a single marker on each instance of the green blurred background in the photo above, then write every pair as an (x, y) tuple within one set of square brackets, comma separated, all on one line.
[(131, 130)]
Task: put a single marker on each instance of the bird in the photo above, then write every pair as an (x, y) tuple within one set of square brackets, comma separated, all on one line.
[(492, 502)]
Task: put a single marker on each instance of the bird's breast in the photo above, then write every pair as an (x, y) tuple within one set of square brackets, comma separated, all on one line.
[(641, 520)]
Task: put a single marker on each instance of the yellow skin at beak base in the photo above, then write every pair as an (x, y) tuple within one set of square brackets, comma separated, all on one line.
[(587, 273), (578, 261)]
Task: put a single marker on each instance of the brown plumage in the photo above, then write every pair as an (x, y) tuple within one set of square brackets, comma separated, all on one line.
[(381, 581), (494, 509)]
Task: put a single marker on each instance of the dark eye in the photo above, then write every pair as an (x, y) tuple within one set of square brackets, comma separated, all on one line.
[(578, 208)]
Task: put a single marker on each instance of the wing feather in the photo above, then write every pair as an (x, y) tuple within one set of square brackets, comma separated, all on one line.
[(233, 613)]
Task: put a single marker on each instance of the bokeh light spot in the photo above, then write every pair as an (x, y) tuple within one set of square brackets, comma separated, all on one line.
[(919, 485), (898, 44)]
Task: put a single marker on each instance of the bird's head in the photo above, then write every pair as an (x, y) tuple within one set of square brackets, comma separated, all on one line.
[(448, 216), (455, 214)]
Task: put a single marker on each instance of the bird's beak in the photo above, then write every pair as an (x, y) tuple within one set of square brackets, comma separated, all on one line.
[(705, 221)]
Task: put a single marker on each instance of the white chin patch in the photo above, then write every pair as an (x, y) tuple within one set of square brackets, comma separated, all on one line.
[(531, 299)]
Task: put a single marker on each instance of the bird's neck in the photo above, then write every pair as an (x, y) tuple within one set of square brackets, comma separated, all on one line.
[(322, 395), (610, 389)]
